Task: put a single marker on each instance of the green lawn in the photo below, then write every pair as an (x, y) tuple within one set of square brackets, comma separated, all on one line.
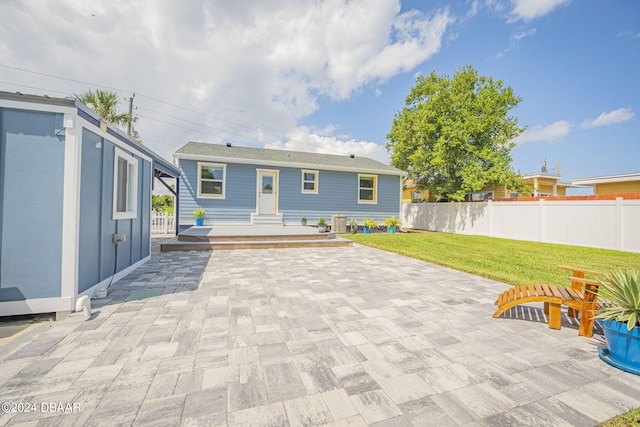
[(630, 419), (510, 261)]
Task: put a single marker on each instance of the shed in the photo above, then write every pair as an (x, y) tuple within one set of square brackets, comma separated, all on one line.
[(75, 203)]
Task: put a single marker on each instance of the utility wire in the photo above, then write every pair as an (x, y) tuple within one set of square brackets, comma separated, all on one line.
[(255, 129), (64, 78), (141, 95), (33, 87), (188, 121)]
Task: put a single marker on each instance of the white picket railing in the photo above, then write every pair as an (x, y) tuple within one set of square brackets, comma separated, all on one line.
[(607, 224), (162, 223)]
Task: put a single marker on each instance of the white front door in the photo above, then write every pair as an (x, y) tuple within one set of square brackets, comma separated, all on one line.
[(267, 192)]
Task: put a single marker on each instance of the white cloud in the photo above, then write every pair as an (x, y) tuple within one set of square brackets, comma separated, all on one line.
[(548, 133), (610, 118), (305, 138), (515, 38), (527, 10), (629, 34), (260, 64)]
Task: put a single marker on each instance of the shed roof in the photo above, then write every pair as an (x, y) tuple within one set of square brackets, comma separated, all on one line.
[(162, 167), (205, 151)]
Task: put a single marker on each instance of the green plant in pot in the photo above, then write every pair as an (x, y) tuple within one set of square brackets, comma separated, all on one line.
[(369, 225), (353, 226), (199, 215), (303, 221), (391, 223), (322, 225), (620, 313)]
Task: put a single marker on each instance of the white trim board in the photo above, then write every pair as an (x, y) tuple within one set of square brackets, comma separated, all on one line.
[(91, 292)]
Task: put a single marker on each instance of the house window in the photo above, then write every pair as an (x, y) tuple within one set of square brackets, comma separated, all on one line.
[(480, 195), (367, 188), (125, 185), (514, 195), (211, 180), (310, 182), (416, 196)]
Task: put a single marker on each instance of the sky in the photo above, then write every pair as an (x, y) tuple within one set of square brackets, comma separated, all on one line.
[(329, 76)]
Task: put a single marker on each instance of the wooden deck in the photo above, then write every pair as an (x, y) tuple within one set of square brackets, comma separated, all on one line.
[(227, 237)]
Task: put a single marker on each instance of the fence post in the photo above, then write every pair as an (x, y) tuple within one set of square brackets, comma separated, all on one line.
[(490, 214), (619, 223), (542, 220)]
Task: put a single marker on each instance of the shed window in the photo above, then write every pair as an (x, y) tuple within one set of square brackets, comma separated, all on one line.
[(310, 182), (211, 180), (125, 186), (367, 188)]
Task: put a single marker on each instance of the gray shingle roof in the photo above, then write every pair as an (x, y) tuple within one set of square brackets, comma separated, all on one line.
[(284, 156)]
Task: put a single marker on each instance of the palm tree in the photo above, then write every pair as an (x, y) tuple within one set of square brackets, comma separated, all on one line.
[(105, 103)]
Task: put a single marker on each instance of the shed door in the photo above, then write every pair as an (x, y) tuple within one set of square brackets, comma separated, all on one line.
[(267, 192)]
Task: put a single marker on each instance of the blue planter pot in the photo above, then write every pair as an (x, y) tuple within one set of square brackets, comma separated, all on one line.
[(199, 221), (623, 347), (391, 229), (367, 230)]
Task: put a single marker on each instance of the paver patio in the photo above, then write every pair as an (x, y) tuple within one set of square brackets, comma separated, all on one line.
[(327, 336)]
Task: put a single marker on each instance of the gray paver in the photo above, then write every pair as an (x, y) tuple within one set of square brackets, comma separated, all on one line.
[(323, 336)]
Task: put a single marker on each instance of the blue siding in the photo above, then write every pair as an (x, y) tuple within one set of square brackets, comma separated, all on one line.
[(337, 194), (32, 168), (97, 251)]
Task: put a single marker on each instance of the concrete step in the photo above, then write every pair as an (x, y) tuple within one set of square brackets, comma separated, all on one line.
[(266, 219), (178, 245)]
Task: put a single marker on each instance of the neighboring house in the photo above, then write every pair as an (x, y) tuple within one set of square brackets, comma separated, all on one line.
[(412, 194), (625, 183), (541, 183), (253, 186), (68, 183)]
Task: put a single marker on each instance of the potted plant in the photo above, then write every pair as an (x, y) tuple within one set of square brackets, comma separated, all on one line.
[(620, 313), (322, 225), (353, 226), (199, 215), (369, 225), (303, 221), (391, 223)]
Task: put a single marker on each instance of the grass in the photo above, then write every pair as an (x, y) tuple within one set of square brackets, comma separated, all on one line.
[(510, 261), (630, 419)]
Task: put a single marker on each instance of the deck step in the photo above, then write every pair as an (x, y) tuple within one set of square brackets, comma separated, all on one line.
[(178, 245), (255, 237), (266, 219)]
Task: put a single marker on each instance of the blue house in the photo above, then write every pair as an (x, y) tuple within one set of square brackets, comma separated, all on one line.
[(239, 185), (75, 203)]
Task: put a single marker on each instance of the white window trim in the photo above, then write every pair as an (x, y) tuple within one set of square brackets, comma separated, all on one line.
[(375, 189), (224, 181), (316, 174), (132, 211)]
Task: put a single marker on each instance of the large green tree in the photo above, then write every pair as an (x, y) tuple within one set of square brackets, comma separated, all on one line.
[(455, 135), (105, 103)]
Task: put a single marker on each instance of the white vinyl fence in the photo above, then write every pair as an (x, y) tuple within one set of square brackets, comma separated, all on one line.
[(162, 223), (607, 224)]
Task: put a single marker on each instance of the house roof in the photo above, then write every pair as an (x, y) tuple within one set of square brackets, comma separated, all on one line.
[(265, 156), (607, 179), (554, 176), (162, 167)]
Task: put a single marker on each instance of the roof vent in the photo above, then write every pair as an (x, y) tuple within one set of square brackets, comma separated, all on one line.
[(352, 156), (228, 144)]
